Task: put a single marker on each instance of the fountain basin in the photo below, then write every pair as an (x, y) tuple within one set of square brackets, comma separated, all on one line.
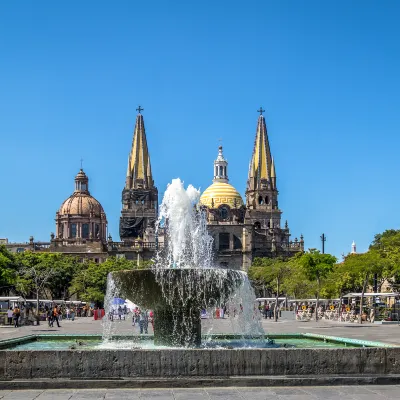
[(177, 295), (180, 363)]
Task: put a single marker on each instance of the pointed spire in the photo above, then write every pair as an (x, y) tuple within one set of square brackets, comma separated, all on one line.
[(273, 174), (261, 162), (353, 248), (139, 169)]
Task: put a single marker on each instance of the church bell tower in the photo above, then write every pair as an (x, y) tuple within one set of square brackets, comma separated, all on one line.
[(261, 192), (139, 196)]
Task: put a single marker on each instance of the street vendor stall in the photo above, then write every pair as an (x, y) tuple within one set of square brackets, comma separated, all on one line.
[(5, 303), (381, 306)]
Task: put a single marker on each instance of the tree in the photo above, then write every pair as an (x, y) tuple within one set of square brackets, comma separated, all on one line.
[(63, 268), (34, 278), (387, 244), (8, 268), (90, 283), (364, 266), (316, 267), (272, 272)]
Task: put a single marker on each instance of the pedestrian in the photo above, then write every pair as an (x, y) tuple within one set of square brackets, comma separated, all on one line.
[(49, 316), (72, 314), (136, 313), (10, 315), (67, 312), (372, 315), (143, 322), (266, 311), (16, 315), (151, 318), (55, 317)]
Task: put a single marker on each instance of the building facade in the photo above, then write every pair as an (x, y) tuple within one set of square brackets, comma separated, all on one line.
[(242, 230), (245, 230)]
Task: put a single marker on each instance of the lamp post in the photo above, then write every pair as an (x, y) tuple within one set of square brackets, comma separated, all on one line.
[(323, 240)]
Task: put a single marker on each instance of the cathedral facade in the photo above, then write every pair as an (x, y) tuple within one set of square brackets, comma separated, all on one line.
[(242, 229)]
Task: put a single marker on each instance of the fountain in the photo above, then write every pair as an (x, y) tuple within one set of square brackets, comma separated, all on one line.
[(183, 280), (181, 283)]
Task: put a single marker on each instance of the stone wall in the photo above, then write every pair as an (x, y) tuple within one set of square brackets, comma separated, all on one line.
[(196, 362)]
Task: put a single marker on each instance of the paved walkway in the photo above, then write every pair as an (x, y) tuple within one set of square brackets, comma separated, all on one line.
[(273, 393), (367, 331)]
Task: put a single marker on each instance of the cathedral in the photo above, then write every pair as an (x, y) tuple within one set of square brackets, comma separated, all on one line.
[(242, 229)]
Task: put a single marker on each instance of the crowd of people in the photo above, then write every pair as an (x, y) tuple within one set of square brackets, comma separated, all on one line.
[(140, 318), (25, 313)]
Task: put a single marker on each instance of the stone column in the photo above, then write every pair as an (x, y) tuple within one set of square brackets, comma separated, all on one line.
[(247, 247)]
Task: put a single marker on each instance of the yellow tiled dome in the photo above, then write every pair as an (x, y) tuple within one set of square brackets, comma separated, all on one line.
[(221, 193)]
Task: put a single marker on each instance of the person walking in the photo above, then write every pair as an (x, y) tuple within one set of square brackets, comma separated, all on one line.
[(151, 318), (49, 316), (10, 315), (67, 313), (72, 314), (55, 317), (143, 322), (16, 315)]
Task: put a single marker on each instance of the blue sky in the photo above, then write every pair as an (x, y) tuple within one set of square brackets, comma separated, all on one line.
[(72, 74)]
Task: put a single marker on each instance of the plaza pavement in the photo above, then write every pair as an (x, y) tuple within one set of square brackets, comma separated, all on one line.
[(367, 331), (214, 393), (383, 333)]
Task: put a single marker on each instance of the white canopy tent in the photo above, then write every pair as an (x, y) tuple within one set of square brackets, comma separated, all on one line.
[(380, 294), (12, 298)]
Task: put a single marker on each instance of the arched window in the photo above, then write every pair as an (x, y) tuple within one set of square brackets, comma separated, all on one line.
[(223, 212), (73, 231), (260, 200), (257, 225), (266, 200), (85, 231)]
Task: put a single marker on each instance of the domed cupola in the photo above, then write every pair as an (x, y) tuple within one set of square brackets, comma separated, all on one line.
[(221, 192), (81, 216)]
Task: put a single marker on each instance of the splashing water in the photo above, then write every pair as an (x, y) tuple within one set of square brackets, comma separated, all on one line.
[(188, 242)]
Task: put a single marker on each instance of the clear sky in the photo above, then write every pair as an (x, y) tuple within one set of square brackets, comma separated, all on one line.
[(72, 74)]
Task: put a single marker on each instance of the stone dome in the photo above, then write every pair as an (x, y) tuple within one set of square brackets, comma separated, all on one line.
[(221, 193), (81, 204)]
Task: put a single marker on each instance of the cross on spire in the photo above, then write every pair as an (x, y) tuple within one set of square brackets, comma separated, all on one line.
[(261, 111), (81, 162), (139, 109)]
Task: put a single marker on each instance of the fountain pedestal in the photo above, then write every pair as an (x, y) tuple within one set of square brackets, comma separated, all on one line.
[(177, 296), (177, 327)]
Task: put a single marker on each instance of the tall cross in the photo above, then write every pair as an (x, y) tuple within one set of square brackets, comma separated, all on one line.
[(261, 111), (220, 141), (139, 109), (81, 162)]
